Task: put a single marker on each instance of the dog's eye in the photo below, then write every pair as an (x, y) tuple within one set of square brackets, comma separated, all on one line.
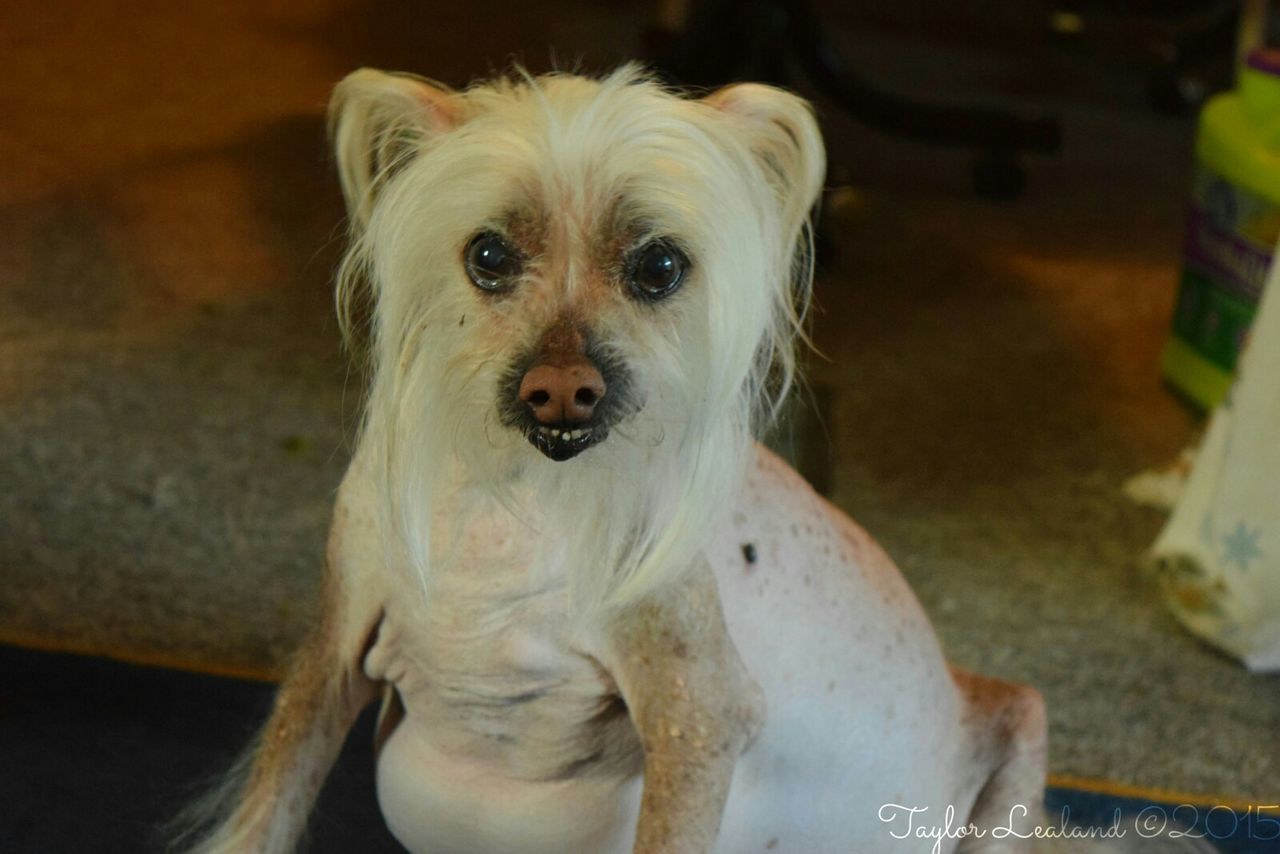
[(491, 263), (657, 269)]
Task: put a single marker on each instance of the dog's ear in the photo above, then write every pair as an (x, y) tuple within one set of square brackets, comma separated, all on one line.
[(784, 136), (377, 122)]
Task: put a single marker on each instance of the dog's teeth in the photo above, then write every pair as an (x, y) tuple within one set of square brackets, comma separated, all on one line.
[(575, 434), (555, 432)]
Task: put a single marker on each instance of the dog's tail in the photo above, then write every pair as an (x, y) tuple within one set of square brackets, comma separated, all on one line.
[(205, 825)]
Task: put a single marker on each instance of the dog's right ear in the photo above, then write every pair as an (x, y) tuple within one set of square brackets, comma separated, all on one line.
[(377, 123), (783, 134)]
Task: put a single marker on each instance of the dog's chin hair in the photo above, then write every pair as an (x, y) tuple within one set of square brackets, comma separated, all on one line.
[(612, 524), (635, 513)]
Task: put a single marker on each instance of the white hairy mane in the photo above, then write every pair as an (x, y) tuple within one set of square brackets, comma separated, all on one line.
[(733, 177)]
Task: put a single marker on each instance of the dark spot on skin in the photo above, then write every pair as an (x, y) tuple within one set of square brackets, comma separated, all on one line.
[(749, 552), (772, 844), (462, 320), (680, 650)]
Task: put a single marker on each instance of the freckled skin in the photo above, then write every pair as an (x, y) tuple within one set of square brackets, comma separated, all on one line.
[(694, 706)]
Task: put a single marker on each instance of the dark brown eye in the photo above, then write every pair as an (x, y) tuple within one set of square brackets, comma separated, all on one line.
[(491, 264), (657, 269)]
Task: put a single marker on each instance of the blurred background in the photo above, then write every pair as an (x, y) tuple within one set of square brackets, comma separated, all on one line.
[(991, 306)]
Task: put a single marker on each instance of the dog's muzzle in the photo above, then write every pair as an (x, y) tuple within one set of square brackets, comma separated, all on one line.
[(564, 403), (562, 395)]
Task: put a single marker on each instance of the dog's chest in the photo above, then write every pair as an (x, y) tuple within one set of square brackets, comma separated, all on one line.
[(487, 669)]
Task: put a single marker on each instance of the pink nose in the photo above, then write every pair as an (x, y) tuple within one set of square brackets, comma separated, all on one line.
[(565, 393)]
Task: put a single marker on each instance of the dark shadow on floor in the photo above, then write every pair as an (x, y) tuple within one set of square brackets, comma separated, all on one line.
[(98, 756)]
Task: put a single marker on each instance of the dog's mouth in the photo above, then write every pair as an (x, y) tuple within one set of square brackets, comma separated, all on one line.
[(565, 442), (565, 439)]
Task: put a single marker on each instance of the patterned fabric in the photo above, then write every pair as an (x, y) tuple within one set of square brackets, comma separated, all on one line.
[(1218, 558)]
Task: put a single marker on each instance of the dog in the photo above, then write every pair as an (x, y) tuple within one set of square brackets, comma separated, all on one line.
[(599, 616)]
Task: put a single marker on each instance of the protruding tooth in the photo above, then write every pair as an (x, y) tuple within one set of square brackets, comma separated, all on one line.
[(555, 432), (575, 434)]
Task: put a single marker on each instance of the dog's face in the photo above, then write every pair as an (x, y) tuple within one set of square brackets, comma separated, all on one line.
[(574, 255), (579, 300), (565, 269)]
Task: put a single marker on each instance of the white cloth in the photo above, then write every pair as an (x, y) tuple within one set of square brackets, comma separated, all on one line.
[(1218, 557)]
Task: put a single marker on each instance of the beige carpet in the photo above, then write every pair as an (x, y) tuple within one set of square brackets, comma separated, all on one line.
[(173, 400)]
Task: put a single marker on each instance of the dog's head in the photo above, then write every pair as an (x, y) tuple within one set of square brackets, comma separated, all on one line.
[(572, 269)]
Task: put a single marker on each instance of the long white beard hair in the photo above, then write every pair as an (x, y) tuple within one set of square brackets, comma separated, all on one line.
[(614, 523)]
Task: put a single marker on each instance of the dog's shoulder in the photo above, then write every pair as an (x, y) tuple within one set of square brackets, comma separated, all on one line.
[(778, 510)]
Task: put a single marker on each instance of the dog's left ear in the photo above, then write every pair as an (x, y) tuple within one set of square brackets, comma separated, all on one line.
[(377, 123), (784, 136)]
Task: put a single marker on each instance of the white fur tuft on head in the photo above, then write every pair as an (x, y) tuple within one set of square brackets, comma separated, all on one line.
[(576, 173)]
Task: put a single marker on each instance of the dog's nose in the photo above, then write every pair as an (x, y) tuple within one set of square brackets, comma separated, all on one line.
[(565, 393)]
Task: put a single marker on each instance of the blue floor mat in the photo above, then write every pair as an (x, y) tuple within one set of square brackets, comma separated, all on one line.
[(1231, 829)]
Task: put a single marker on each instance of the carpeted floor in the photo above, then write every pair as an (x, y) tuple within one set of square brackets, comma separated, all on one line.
[(174, 402)]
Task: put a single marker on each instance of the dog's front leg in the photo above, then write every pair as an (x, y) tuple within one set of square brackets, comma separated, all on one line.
[(694, 705), (264, 804)]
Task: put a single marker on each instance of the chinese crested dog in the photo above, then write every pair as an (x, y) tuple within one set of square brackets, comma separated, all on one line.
[(599, 617)]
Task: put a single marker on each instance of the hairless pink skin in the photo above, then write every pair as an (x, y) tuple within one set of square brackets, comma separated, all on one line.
[(797, 702), (782, 690)]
